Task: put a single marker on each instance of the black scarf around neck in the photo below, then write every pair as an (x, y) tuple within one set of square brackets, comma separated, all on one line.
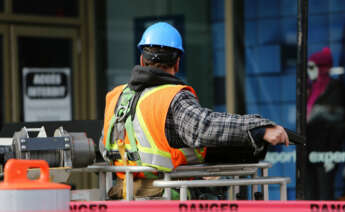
[(145, 76)]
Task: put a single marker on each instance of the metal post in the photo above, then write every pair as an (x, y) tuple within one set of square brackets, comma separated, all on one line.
[(109, 181), (183, 193), (283, 191), (301, 92), (254, 187), (231, 193), (129, 185), (264, 187), (102, 185), (236, 189), (167, 191)]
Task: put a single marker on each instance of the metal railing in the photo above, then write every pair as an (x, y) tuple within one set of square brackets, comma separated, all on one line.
[(105, 177), (202, 170), (183, 185)]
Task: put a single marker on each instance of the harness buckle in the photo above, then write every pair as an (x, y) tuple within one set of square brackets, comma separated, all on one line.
[(113, 155), (133, 156), (122, 113)]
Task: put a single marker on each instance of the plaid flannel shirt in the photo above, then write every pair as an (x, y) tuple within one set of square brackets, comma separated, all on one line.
[(190, 125)]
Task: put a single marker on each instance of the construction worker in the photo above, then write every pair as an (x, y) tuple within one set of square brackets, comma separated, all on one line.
[(155, 120)]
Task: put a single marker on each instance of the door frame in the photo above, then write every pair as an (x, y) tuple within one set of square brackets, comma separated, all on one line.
[(7, 109), (17, 31)]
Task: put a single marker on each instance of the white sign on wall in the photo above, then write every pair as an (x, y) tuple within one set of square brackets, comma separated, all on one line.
[(47, 94)]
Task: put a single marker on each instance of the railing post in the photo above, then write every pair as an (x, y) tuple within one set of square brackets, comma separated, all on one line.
[(102, 185), (167, 191), (265, 186), (129, 185), (183, 193), (254, 187), (283, 191)]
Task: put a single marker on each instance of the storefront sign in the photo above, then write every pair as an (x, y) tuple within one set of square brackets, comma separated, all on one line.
[(329, 159), (281, 157), (47, 94)]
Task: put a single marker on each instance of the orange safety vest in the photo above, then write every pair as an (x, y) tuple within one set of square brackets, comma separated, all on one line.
[(149, 128)]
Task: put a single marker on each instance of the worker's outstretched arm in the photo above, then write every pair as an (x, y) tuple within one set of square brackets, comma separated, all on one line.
[(197, 126)]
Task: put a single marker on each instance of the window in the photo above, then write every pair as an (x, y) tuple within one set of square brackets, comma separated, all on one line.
[(55, 8)]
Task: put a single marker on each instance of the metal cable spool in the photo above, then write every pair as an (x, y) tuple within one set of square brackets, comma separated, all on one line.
[(53, 157), (63, 150), (82, 148)]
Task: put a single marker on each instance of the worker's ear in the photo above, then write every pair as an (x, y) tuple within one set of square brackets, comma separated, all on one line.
[(177, 65), (141, 60)]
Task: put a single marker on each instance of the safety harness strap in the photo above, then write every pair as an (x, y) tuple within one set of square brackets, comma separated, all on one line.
[(123, 121), (131, 137)]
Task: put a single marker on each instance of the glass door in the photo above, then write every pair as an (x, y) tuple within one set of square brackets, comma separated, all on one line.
[(45, 75), (4, 75)]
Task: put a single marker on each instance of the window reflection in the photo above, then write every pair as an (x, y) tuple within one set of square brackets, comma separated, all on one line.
[(57, 8)]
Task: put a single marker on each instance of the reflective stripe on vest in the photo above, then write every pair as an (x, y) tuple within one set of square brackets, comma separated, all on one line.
[(193, 155)]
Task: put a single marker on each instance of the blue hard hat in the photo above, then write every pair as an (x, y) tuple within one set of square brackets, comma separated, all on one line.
[(161, 34)]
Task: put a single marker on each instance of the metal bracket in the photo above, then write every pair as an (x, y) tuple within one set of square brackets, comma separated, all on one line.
[(42, 144)]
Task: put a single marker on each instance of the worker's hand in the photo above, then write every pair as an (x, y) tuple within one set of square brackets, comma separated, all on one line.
[(276, 135)]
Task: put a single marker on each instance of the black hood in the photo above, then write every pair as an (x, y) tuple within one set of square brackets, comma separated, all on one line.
[(146, 76)]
